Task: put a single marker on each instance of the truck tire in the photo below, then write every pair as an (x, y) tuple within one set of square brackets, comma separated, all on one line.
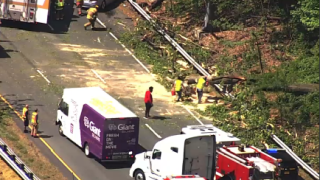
[(60, 130), (139, 175), (86, 150)]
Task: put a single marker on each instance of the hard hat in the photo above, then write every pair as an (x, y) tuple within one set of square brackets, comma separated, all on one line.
[(27, 105)]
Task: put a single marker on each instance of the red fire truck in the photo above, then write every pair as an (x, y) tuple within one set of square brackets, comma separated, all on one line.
[(245, 163), (236, 161)]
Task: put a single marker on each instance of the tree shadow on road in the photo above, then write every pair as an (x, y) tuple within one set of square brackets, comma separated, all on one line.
[(162, 118), (44, 136), (4, 52)]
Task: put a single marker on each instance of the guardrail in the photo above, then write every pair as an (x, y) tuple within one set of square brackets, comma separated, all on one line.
[(205, 73), (15, 162), (295, 157), (175, 44)]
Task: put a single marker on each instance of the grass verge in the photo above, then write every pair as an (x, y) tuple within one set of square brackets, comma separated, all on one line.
[(25, 148)]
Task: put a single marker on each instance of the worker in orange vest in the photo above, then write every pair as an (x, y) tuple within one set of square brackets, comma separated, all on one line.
[(34, 123), (79, 6), (91, 16), (25, 116)]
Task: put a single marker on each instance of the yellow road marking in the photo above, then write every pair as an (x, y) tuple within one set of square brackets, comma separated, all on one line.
[(44, 142)]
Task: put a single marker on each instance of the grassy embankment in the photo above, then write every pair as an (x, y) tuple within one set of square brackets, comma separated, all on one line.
[(25, 148)]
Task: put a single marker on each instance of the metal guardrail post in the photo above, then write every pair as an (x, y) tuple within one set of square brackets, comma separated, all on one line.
[(15, 162), (13, 165)]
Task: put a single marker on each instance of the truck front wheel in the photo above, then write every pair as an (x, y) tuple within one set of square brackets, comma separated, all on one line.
[(87, 150), (60, 129), (139, 175)]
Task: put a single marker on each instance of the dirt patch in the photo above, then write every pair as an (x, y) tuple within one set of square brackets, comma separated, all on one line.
[(6, 172), (26, 149)]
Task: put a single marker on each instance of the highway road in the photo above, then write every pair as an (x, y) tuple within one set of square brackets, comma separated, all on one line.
[(68, 56)]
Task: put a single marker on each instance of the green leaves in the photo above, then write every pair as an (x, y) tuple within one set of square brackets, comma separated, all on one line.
[(307, 12)]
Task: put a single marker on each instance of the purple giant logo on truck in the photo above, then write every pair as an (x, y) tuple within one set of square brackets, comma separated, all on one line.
[(90, 125)]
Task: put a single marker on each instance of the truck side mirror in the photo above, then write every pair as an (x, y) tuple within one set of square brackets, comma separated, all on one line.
[(59, 104)]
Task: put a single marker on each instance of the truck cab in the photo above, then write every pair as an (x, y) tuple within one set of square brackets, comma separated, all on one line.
[(179, 156)]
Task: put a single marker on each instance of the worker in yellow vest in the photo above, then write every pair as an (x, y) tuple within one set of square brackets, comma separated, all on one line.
[(59, 9), (200, 85), (91, 16), (79, 6), (25, 116), (34, 123), (178, 86)]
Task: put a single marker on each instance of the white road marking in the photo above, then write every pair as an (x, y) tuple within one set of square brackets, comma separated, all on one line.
[(43, 76), (99, 40), (193, 115), (134, 57), (153, 131), (98, 75), (102, 24)]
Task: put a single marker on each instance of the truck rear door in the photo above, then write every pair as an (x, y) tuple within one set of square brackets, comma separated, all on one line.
[(200, 156), (121, 137)]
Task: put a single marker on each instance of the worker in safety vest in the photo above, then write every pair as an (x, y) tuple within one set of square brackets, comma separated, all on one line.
[(91, 16), (34, 123), (25, 116), (178, 86), (59, 9), (79, 6), (200, 85)]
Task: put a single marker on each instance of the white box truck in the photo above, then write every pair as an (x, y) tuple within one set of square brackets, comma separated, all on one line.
[(98, 123), (175, 157)]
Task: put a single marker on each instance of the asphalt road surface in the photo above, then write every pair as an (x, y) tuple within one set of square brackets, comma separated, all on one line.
[(66, 54)]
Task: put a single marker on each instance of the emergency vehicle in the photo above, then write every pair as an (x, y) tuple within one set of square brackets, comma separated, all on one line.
[(30, 11), (236, 161), (183, 156)]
